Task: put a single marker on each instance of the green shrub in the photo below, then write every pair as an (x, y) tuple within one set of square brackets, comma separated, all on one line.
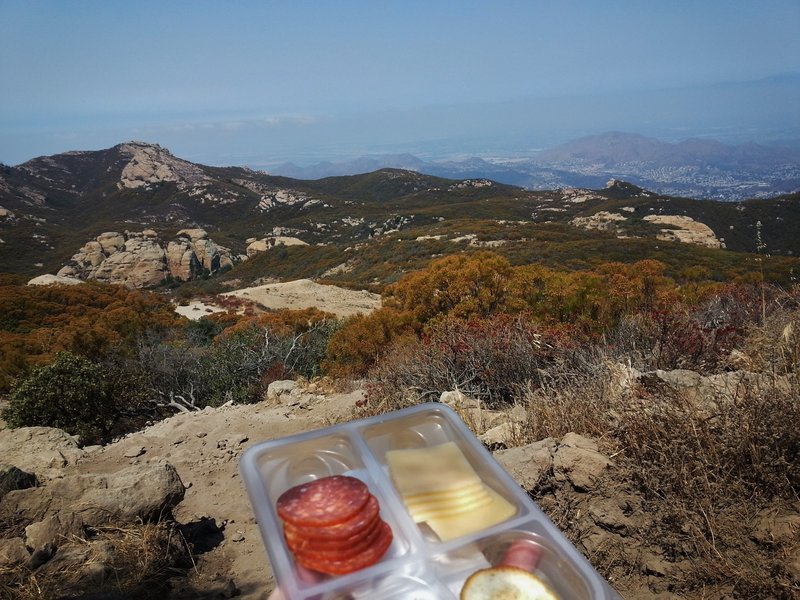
[(71, 393)]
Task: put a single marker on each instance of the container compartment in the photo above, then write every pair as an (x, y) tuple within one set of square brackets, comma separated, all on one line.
[(285, 466), (523, 549), (269, 469), (432, 427), (411, 583)]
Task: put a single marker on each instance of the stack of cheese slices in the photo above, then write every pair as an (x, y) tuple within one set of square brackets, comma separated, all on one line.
[(439, 487)]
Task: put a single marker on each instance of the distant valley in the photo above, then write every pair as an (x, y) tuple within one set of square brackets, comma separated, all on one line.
[(692, 168)]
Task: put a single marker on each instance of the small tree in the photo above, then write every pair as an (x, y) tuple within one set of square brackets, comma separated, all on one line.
[(71, 393)]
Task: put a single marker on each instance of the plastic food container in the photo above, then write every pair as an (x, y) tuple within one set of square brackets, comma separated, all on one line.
[(417, 565)]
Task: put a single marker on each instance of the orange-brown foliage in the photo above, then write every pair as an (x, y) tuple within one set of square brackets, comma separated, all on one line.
[(282, 322), (363, 339), (87, 319)]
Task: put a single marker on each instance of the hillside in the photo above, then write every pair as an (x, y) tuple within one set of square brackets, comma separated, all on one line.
[(626, 462), (362, 230)]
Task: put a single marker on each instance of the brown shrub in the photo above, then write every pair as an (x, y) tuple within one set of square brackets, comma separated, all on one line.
[(363, 339), (487, 359), (703, 468)]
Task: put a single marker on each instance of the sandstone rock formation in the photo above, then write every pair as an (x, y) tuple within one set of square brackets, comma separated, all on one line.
[(54, 279), (685, 230), (42, 451), (602, 220), (150, 163), (140, 259), (136, 492), (255, 246), (305, 293)]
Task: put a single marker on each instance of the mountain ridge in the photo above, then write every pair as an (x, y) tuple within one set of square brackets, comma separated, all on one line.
[(361, 230), (693, 167)]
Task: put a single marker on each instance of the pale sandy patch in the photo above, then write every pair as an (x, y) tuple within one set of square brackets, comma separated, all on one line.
[(305, 293)]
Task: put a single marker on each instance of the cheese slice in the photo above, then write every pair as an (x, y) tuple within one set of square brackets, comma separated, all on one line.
[(452, 507), (435, 469), (453, 526), (440, 501), (472, 489)]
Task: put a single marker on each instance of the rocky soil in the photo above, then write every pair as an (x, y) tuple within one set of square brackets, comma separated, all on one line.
[(187, 466)]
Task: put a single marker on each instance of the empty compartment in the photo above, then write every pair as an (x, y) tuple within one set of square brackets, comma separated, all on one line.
[(284, 466), (406, 583)]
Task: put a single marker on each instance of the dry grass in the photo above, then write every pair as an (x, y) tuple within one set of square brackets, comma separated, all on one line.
[(703, 471), (702, 462), (134, 561)]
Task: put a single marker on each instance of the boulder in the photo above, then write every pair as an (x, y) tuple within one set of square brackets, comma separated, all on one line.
[(141, 263), (578, 441), (481, 420), (13, 552), (255, 246), (500, 435), (54, 279), (457, 400), (181, 260), (110, 242), (12, 478), (577, 460), (193, 234), (53, 531), (528, 464), (42, 451), (89, 564), (280, 390), (137, 492)]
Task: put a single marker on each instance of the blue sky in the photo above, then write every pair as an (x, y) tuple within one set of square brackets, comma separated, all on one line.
[(248, 82)]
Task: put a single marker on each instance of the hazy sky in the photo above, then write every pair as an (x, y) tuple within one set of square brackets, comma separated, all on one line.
[(249, 81)]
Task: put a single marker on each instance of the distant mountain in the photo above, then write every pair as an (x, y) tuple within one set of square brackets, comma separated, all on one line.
[(363, 164), (616, 149), (698, 168)]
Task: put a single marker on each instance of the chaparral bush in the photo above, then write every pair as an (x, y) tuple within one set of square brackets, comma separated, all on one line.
[(71, 393)]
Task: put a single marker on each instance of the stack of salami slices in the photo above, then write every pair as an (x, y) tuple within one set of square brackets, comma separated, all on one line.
[(333, 525)]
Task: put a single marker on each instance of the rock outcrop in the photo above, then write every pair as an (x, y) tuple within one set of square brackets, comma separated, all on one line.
[(62, 511), (255, 246), (151, 164), (41, 451), (681, 228), (137, 492), (54, 279), (141, 259)]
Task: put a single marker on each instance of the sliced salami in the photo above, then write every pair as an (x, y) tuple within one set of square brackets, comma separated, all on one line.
[(362, 560), (343, 552), (299, 542), (353, 526), (323, 502)]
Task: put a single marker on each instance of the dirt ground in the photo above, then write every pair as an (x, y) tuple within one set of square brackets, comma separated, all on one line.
[(204, 448)]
